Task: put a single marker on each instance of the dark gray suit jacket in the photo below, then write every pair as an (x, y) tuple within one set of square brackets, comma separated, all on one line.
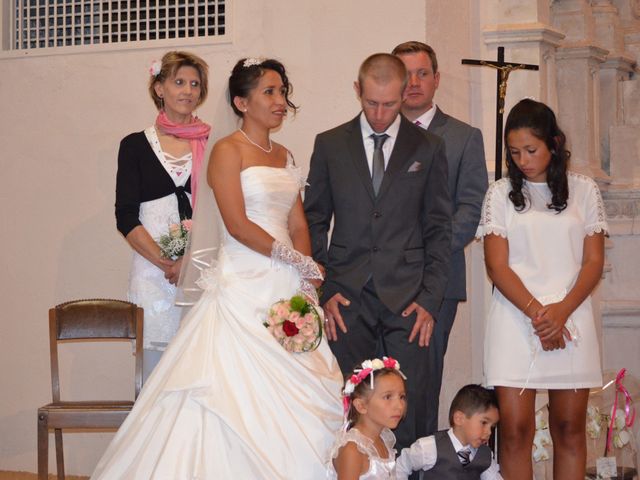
[(402, 237), (467, 185)]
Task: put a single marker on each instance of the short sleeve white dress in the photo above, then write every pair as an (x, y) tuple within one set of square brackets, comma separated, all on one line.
[(545, 251)]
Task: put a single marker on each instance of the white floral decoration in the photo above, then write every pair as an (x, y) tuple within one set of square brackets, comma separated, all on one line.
[(542, 439), (594, 422), (366, 368), (252, 61), (155, 68)]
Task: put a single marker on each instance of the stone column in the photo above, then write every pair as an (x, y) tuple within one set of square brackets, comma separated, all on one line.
[(579, 60), (617, 68)]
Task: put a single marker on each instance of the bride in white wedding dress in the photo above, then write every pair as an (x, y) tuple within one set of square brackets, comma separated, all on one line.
[(227, 401)]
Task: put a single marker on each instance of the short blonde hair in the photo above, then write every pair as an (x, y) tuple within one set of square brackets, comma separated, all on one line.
[(171, 63), (382, 68)]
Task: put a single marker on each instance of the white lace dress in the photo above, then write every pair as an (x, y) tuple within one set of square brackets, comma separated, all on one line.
[(227, 401), (147, 285), (379, 468), (545, 251)]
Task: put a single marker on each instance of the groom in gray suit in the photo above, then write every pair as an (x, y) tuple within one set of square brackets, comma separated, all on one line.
[(383, 182), (467, 186)]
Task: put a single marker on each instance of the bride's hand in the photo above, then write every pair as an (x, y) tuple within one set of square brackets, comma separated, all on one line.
[(318, 282)]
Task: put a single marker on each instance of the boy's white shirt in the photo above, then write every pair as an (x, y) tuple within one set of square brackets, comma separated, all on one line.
[(423, 454)]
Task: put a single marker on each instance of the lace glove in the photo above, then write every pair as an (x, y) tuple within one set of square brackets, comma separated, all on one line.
[(307, 268), (305, 265)]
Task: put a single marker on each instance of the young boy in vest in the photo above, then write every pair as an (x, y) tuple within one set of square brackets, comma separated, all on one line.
[(461, 452)]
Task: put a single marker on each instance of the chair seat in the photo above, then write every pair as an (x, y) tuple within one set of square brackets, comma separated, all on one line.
[(88, 414), (91, 405)]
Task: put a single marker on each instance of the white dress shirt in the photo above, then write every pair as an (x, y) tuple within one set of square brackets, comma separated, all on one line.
[(387, 148), (423, 454), (426, 118)]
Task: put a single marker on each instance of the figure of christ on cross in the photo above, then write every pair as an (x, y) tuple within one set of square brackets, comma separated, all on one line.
[(503, 70)]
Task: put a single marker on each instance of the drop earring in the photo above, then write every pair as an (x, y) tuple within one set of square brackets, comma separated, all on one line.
[(162, 103)]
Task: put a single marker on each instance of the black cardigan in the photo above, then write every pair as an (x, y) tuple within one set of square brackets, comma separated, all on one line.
[(140, 178)]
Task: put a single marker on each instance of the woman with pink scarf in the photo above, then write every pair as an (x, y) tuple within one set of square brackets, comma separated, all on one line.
[(156, 181)]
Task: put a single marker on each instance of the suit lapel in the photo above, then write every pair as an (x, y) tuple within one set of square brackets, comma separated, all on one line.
[(438, 123), (358, 155), (402, 150)]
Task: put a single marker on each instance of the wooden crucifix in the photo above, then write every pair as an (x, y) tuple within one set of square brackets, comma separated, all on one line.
[(503, 70)]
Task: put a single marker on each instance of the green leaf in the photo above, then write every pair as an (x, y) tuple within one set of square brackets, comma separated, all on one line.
[(299, 304)]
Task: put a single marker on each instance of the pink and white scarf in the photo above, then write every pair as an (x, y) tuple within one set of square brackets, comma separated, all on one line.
[(197, 132)]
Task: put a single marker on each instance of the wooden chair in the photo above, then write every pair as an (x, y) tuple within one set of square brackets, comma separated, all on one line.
[(83, 320)]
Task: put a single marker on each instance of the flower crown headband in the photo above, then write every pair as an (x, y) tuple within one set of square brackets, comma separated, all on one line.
[(366, 370)]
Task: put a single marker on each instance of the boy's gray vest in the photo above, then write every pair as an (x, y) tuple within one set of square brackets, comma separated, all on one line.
[(448, 466)]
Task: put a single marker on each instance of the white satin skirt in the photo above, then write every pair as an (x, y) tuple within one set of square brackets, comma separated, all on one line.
[(226, 400)]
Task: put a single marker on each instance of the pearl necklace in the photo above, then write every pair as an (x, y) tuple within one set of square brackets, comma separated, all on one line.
[(265, 150)]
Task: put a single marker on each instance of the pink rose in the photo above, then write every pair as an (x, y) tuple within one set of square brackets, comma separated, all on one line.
[(297, 319), (282, 311), (278, 333), (187, 224), (307, 331)]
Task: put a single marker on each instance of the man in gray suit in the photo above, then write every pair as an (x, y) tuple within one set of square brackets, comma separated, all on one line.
[(467, 186), (383, 181)]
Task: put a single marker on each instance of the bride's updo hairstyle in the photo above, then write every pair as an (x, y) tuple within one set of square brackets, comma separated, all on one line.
[(542, 123), (362, 382), (246, 75)]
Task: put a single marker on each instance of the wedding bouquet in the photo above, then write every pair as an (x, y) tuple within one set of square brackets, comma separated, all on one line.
[(295, 324), (173, 244)]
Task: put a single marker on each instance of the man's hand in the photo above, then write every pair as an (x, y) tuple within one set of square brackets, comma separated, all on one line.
[(424, 324), (332, 316)]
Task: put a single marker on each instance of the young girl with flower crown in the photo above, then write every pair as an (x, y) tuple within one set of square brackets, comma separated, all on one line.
[(374, 403)]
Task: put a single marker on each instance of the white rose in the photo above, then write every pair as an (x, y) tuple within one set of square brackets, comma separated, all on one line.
[(542, 438), (540, 454), (621, 438), (620, 419), (593, 428), (367, 364), (377, 364), (348, 388), (540, 421)]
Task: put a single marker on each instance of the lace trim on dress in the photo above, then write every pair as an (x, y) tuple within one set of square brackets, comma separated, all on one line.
[(486, 227), (364, 444), (597, 228), (600, 226)]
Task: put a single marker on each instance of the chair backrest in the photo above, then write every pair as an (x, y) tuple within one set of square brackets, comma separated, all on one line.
[(94, 319)]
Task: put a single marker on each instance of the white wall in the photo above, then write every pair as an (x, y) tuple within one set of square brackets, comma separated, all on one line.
[(63, 117)]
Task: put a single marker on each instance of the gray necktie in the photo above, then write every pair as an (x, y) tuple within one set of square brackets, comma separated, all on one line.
[(464, 456), (378, 161)]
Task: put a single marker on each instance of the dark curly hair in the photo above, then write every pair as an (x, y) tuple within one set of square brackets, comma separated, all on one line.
[(244, 79), (542, 122)]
